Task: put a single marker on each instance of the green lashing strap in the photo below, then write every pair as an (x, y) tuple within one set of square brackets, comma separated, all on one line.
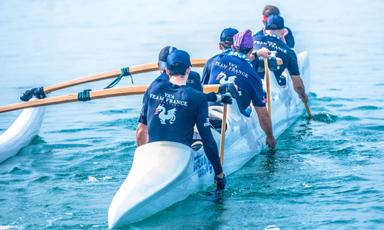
[(124, 72)]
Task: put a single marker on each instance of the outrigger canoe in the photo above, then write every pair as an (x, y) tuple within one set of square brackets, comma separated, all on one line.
[(21, 132), (164, 173)]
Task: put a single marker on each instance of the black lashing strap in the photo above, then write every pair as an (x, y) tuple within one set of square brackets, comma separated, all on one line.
[(84, 95)]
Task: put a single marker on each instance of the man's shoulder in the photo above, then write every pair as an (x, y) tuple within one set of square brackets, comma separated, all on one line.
[(234, 60), (258, 34), (194, 75), (278, 42), (215, 58), (160, 81), (193, 93), (162, 77)]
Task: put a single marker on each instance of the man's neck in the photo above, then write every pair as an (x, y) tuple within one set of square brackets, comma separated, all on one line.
[(178, 80), (272, 33)]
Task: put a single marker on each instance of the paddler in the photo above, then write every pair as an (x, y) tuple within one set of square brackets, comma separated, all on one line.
[(171, 110), (236, 68), (193, 78), (274, 30), (225, 45), (286, 36), (193, 81)]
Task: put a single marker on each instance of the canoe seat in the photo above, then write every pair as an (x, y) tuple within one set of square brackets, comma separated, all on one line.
[(216, 108), (215, 115)]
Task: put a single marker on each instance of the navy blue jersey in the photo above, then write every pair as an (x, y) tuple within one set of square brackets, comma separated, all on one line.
[(172, 111), (208, 66), (289, 39), (231, 68), (288, 56), (193, 80)]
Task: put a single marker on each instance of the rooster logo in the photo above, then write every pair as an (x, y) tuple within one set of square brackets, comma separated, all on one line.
[(165, 115), (224, 79)]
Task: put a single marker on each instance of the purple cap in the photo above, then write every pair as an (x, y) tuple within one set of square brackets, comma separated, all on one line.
[(243, 40)]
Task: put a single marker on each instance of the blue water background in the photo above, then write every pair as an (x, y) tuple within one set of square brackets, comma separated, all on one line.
[(327, 173)]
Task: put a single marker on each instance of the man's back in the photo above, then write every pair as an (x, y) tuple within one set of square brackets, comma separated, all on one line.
[(288, 56), (289, 39), (208, 68), (231, 68), (171, 112), (193, 80), (207, 71)]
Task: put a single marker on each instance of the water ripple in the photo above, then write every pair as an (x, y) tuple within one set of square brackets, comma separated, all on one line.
[(349, 118), (367, 107), (373, 127), (72, 130), (126, 123), (117, 111), (325, 117)]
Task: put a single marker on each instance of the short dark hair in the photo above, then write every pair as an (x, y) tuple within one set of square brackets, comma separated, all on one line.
[(177, 69), (226, 44), (270, 10), (244, 50)]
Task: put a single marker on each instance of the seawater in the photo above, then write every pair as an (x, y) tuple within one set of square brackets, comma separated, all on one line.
[(327, 173)]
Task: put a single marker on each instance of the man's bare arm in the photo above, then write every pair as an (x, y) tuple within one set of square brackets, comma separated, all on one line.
[(298, 85), (266, 125), (141, 134)]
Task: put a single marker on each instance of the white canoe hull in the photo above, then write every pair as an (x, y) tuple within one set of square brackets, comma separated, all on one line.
[(164, 173), (21, 132)]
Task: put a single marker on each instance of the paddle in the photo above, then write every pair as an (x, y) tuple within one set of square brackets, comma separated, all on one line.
[(222, 138), (305, 104), (266, 77), (96, 94), (308, 110), (133, 70)]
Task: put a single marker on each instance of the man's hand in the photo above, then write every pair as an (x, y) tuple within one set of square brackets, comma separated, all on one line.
[(229, 87), (224, 98), (271, 142), (220, 181), (263, 52)]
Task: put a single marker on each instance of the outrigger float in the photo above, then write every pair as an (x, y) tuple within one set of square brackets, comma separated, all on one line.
[(164, 173), (21, 132)]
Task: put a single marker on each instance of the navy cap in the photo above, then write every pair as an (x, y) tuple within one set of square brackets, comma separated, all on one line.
[(227, 35), (274, 22), (164, 52), (178, 58)]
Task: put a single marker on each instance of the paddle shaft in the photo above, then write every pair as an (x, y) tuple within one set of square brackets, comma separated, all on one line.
[(266, 77), (222, 138), (97, 94), (308, 110), (133, 70)]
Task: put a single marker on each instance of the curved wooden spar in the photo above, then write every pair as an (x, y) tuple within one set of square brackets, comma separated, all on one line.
[(133, 70), (97, 94)]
